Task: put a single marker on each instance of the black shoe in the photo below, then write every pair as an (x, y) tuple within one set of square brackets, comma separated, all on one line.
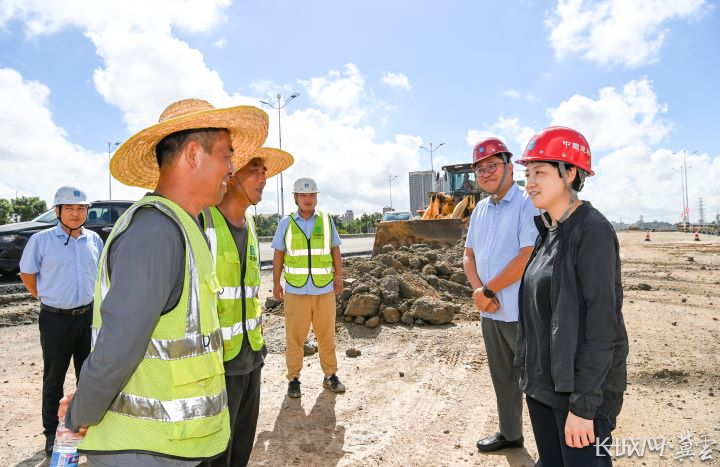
[(333, 383), (497, 442), (294, 389), (49, 443)]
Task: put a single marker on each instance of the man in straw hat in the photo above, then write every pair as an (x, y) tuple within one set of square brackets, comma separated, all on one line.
[(234, 244), (152, 391)]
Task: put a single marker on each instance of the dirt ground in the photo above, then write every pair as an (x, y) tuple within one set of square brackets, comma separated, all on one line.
[(422, 395)]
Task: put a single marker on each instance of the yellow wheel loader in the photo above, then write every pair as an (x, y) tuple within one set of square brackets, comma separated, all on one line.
[(445, 219)]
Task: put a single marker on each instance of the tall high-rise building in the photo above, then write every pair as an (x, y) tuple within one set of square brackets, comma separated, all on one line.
[(348, 217), (421, 184)]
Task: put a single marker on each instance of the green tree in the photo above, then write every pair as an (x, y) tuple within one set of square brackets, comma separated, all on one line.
[(266, 225), (28, 208), (6, 211)]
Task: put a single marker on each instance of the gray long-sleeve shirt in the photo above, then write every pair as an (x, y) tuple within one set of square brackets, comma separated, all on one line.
[(146, 264)]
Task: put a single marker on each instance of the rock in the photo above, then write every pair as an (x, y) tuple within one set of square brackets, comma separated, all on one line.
[(272, 302), (414, 263), (423, 259), (644, 286), (420, 246), (407, 318), (390, 288), (429, 270), (455, 290), (348, 282), (309, 349), (346, 294), (373, 322), (403, 258), (459, 278), (339, 310), (402, 375), (419, 322), (348, 318), (389, 272), (431, 256), (690, 258), (389, 261), (363, 287), (377, 272), (408, 290), (364, 304), (352, 352), (432, 280), (391, 315), (404, 248), (359, 320), (387, 249), (444, 268), (433, 310)]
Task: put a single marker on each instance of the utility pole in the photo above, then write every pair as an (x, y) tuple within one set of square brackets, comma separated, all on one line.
[(390, 179), (280, 105), (111, 147)]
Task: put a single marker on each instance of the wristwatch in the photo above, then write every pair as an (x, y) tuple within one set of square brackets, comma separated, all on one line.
[(488, 293)]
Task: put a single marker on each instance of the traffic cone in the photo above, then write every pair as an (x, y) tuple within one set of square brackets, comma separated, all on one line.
[(647, 236), (697, 236)]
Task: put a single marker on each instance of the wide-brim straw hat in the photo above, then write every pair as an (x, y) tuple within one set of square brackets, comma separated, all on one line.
[(135, 161), (275, 160)]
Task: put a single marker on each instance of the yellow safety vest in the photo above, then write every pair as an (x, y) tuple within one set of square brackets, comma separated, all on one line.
[(175, 403), (308, 258), (237, 297)]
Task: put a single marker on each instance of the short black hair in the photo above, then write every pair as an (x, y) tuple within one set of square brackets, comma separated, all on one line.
[(577, 184), (170, 146)]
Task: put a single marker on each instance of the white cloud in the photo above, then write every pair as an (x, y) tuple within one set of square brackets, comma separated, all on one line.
[(508, 129), (616, 119), (518, 95), (626, 131), (220, 43), (145, 68), (35, 154), (617, 32), (396, 80)]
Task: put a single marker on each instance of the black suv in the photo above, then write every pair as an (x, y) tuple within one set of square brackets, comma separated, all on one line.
[(102, 216)]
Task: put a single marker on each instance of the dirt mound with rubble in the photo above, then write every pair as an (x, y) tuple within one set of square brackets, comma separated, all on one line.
[(415, 285)]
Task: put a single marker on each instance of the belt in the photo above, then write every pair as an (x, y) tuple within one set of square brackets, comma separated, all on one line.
[(72, 312)]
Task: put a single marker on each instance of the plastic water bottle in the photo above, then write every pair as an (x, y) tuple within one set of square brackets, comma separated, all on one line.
[(65, 452)]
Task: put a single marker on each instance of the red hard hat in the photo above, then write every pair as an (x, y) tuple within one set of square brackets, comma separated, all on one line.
[(560, 144), (489, 147)]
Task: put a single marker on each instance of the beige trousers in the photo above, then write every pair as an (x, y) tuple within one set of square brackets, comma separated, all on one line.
[(300, 311)]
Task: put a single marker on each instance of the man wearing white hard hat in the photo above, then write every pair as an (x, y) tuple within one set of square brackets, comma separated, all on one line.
[(58, 268), (307, 255)]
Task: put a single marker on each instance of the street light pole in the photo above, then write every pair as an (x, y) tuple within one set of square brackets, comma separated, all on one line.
[(111, 146), (281, 105), (683, 176), (432, 168), (390, 179)]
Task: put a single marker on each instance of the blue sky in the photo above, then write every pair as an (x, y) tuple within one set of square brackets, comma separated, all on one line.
[(376, 80)]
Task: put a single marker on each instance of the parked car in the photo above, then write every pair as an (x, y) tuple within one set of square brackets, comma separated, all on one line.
[(102, 216), (396, 216)]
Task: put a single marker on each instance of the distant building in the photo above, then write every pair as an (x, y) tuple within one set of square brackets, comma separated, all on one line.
[(421, 184), (348, 217), (386, 209)]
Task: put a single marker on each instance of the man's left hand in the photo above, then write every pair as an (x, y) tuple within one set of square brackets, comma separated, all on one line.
[(579, 432), (338, 285)]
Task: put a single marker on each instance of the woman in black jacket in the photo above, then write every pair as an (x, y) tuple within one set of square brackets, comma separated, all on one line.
[(572, 343)]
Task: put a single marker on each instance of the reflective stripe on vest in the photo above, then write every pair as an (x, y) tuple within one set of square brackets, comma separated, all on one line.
[(311, 258), (169, 411), (235, 295), (175, 402)]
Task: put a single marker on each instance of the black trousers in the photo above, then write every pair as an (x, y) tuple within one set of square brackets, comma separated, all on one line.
[(61, 337), (549, 428), (244, 405)]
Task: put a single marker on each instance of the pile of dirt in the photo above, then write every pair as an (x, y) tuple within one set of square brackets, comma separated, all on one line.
[(411, 285)]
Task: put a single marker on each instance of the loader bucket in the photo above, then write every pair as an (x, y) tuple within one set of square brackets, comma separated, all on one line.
[(438, 233)]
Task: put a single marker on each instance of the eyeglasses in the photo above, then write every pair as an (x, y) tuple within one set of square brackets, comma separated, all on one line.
[(488, 169)]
